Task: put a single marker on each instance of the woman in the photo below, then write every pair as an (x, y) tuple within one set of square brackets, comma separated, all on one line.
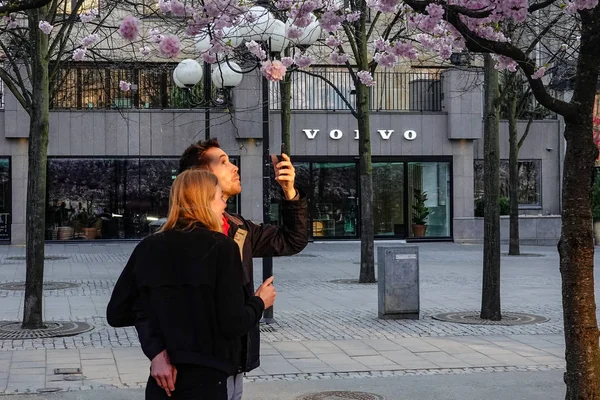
[(188, 277)]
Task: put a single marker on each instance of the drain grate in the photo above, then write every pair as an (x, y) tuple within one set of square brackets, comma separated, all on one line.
[(339, 395), (508, 318), (13, 330), (50, 258), (47, 285), (266, 328)]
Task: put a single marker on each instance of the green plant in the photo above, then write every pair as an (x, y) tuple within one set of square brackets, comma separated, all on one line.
[(420, 211), (503, 203), (596, 199), (87, 220)]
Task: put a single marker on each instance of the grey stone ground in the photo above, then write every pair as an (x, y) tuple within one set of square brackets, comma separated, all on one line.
[(325, 331), (505, 386)]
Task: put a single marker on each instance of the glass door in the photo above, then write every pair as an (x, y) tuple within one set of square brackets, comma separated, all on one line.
[(388, 200), (5, 198)]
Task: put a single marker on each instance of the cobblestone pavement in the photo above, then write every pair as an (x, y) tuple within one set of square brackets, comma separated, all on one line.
[(324, 329)]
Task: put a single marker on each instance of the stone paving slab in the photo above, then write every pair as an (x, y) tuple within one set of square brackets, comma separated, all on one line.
[(325, 329)]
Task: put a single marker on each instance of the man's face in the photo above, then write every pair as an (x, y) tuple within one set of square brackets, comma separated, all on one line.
[(225, 171)]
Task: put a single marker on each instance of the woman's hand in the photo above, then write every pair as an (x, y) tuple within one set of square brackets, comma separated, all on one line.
[(267, 293)]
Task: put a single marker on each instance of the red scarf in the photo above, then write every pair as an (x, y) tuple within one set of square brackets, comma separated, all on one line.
[(225, 225)]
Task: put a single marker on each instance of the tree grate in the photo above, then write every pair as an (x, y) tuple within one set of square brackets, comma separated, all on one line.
[(47, 285), (340, 395), (508, 318), (13, 331)]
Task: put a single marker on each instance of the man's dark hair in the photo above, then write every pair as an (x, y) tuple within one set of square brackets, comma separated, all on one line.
[(195, 155)]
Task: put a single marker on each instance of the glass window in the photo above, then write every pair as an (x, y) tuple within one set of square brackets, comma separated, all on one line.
[(335, 209), (429, 198), (388, 199), (107, 198), (529, 191)]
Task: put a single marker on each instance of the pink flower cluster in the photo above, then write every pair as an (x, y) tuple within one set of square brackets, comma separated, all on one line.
[(333, 41), (155, 35), (287, 61), (177, 8), (576, 5), (338, 58), (366, 78), (331, 20), (302, 60), (89, 40), (301, 12), (385, 6), (89, 16), (129, 28), (505, 63), (11, 22), (124, 86), (170, 46), (255, 49), (273, 70), (145, 51), (45, 27), (387, 55), (79, 54), (539, 73)]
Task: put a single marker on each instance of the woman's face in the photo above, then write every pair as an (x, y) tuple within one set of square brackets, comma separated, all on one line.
[(218, 205)]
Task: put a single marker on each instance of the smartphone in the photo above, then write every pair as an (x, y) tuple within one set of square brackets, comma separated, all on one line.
[(276, 159)]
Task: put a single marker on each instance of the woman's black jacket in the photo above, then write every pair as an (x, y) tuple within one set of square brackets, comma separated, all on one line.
[(191, 289)]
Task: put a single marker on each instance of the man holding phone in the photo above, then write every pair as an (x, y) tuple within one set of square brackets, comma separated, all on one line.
[(254, 240)]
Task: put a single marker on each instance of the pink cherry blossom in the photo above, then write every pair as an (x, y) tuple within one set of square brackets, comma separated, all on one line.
[(331, 21), (155, 35), (505, 63), (353, 17), (333, 41), (170, 46), (365, 78), (45, 27), (338, 58), (293, 32), (209, 57), (164, 6), (302, 60), (539, 73), (255, 49), (89, 16), (89, 40), (287, 61), (129, 28), (404, 49), (385, 59), (124, 86), (79, 54), (177, 8), (145, 51), (273, 70)]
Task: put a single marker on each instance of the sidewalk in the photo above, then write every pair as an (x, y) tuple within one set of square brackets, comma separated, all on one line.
[(325, 328)]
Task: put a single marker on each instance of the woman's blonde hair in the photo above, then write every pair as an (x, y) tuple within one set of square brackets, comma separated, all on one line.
[(190, 201)]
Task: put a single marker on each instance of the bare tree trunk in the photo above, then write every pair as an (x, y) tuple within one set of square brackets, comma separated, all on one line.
[(514, 248), (36, 176), (363, 101), (490, 297), (576, 248)]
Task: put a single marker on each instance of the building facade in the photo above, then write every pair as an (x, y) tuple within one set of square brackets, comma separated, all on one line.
[(112, 158)]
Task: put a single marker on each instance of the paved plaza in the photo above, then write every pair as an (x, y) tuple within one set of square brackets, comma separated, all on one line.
[(327, 327)]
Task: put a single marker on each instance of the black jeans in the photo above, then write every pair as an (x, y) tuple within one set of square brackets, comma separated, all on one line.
[(193, 383)]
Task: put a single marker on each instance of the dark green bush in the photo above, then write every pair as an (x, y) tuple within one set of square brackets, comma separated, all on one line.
[(503, 202)]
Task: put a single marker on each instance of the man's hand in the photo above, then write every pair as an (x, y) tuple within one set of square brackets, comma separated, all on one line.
[(285, 174), (164, 373)]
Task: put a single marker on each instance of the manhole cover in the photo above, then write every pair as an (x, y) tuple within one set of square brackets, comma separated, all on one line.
[(47, 285), (472, 317), (337, 395), (351, 282), (51, 258), (12, 330)]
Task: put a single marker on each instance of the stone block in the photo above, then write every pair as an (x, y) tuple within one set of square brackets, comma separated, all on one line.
[(398, 284)]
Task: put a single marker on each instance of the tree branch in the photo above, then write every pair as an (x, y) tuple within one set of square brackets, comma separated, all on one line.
[(14, 89), (337, 91), (527, 129), (373, 23)]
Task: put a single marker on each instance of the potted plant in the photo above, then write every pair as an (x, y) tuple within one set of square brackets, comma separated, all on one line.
[(420, 213), (88, 225), (596, 209)]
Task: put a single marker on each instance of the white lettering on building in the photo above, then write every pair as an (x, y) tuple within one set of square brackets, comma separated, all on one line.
[(337, 134), (311, 133), (410, 135)]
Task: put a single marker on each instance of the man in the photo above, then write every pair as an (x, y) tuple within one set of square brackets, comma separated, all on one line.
[(254, 241)]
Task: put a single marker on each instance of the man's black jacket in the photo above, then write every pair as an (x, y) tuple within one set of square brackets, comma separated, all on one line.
[(190, 287), (255, 241)]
